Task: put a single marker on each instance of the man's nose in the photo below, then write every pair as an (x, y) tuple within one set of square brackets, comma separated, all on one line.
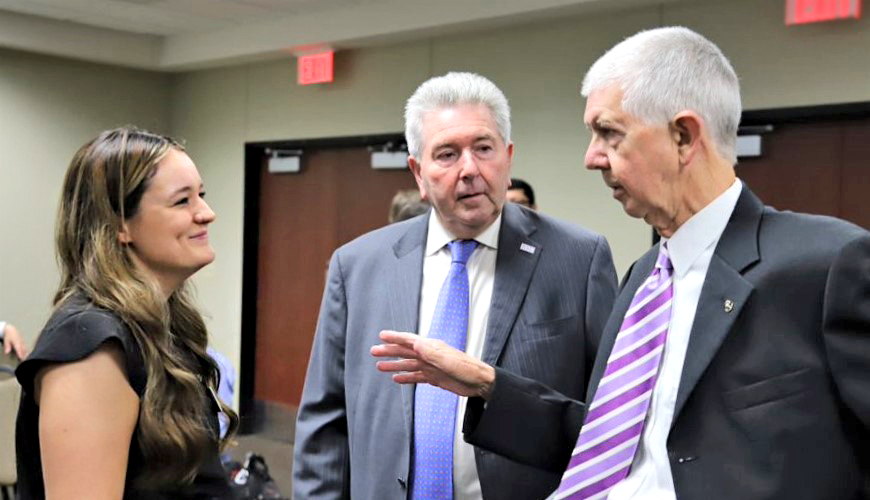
[(595, 158), (470, 168)]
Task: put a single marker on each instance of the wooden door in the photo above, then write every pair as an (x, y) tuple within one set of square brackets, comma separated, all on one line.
[(303, 218), (820, 167)]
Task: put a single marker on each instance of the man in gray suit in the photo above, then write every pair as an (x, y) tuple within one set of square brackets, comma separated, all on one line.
[(538, 293), (755, 381)]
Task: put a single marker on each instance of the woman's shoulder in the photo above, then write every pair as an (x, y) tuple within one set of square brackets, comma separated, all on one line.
[(78, 316), (75, 330)]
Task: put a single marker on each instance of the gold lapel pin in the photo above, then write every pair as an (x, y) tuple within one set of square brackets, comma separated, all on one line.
[(728, 305)]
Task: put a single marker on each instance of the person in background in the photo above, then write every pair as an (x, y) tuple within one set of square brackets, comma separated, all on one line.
[(226, 386), (406, 204), (524, 292), (117, 395), (521, 193), (12, 341), (736, 361)]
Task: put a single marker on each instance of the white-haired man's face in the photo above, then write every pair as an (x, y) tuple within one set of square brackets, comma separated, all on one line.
[(638, 161), (464, 168)]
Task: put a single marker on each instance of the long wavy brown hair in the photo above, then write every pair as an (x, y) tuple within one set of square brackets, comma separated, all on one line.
[(102, 188)]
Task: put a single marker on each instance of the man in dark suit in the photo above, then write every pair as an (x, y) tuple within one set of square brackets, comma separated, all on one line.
[(736, 361), (534, 299)]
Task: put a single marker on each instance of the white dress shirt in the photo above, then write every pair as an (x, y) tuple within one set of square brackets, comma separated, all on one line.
[(691, 247), (2, 329), (481, 275)]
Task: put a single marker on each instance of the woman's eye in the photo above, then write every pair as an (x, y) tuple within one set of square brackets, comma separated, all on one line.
[(182, 201)]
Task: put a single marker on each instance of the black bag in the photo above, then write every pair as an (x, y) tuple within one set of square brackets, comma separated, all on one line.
[(251, 480)]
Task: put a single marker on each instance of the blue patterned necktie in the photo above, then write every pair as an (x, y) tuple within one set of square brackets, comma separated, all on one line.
[(435, 408)]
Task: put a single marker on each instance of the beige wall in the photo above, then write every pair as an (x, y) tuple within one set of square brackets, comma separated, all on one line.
[(538, 66), (48, 108)]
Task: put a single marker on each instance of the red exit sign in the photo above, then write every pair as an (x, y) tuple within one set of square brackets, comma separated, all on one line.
[(814, 11), (315, 68)]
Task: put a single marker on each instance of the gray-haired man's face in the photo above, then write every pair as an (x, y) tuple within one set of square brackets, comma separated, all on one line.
[(638, 161), (464, 168)]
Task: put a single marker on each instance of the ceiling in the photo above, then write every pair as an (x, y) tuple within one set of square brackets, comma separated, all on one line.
[(174, 35)]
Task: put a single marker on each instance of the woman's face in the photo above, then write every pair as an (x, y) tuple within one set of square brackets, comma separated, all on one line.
[(168, 236)]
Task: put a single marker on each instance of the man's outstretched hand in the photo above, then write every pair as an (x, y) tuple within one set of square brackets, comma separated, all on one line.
[(430, 361)]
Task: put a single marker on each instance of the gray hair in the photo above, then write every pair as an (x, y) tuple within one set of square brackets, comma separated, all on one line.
[(667, 70), (451, 90)]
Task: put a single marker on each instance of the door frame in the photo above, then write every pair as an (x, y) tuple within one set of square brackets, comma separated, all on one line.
[(250, 416), (803, 114)]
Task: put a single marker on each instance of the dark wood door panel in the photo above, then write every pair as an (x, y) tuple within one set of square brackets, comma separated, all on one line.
[(856, 174), (800, 169), (821, 167), (304, 217)]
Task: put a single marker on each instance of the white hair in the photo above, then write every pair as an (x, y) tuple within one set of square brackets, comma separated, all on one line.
[(451, 90), (667, 70)]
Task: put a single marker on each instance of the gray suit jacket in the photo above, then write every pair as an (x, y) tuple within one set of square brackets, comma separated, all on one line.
[(774, 397), (354, 427)]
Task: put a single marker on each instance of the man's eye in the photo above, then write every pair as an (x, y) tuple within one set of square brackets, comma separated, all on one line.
[(446, 155), (609, 135)]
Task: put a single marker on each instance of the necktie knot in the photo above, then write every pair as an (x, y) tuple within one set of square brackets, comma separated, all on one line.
[(461, 250), (664, 259)]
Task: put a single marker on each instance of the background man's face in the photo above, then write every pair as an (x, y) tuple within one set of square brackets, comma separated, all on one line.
[(464, 169), (519, 197), (638, 161)]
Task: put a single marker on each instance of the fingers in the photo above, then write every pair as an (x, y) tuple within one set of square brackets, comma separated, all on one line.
[(12, 341), (402, 365), (392, 351), (400, 338), (410, 378), (20, 351), (415, 354)]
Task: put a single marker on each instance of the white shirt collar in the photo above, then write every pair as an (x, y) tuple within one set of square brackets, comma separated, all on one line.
[(439, 236), (702, 230)]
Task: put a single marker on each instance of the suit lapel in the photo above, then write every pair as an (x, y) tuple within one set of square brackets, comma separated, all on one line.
[(724, 293), (404, 284), (516, 260)]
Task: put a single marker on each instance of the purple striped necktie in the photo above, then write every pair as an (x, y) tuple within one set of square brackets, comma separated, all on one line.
[(614, 423)]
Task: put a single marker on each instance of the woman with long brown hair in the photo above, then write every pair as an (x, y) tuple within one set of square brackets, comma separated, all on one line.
[(118, 393)]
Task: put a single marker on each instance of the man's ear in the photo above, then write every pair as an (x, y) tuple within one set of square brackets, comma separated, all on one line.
[(415, 167), (686, 129), (510, 151)]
